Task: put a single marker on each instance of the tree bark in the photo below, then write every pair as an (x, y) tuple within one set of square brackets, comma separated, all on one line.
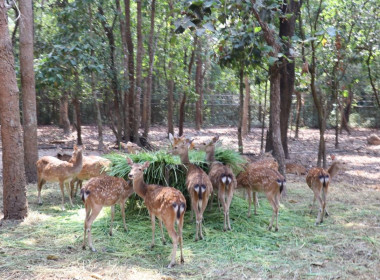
[(78, 125), (241, 105), (198, 88), (64, 112), (15, 205), (28, 91), (131, 70), (244, 128), (170, 84), (298, 114), (148, 92), (287, 27)]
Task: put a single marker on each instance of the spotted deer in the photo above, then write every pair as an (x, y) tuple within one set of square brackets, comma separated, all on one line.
[(103, 191), (265, 180), (222, 178), (93, 166), (294, 168), (51, 169), (131, 148), (198, 183), (318, 180), (166, 203)]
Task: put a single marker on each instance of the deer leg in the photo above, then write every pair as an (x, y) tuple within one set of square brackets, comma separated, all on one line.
[(63, 195), (174, 238), (87, 225), (324, 194), (180, 238), (41, 182), (277, 201), (255, 196), (275, 211), (153, 221), (249, 202), (319, 219), (112, 217), (222, 200), (88, 212), (312, 206), (229, 199), (72, 182), (257, 200), (196, 210), (122, 208), (162, 232), (69, 193)]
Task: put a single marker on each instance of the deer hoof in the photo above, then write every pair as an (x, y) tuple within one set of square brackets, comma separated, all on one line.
[(270, 228), (171, 265), (110, 233), (152, 246), (164, 242), (93, 249), (83, 247), (182, 261), (276, 229)]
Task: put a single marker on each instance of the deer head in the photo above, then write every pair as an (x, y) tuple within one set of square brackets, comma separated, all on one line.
[(137, 169)]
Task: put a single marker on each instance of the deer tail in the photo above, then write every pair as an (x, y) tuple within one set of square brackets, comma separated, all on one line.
[(84, 194)]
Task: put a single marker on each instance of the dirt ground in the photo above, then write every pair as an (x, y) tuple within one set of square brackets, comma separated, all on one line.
[(346, 246)]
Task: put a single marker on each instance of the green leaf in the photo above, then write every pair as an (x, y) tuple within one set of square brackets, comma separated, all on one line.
[(272, 60)]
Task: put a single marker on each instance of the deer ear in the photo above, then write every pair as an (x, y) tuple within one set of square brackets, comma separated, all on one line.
[(216, 138), (171, 138), (130, 162), (75, 147), (146, 165)]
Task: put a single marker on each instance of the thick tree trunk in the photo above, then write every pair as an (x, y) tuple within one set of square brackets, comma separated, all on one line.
[(298, 114), (15, 205), (127, 129), (139, 53), (64, 113), (131, 70), (98, 114), (170, 84), (148, 92), (263, 116), (345, 115), (245, 117), (28, 91), (241, 105)]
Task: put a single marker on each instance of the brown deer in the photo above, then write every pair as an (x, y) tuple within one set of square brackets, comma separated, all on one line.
[(62, 156), (51, 169), (294, 168), (222, 178), (198, 183), (318, 180), (93, 166), (166, 203), (265, 180), (103, 191), (132, 148)]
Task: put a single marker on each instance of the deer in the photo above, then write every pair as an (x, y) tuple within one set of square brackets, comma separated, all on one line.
[(222, 178), (266, 180), (93, 166), (51, 169), (294, 168), (318, 180), (166, 203), (198, 183), (103, 191), (62, 156), (132, 148)]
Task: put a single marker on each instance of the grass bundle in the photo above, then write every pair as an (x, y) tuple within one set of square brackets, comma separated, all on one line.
[(231, 158)]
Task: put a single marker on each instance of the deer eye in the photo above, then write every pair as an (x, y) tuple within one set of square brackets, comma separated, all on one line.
[(140, 169), (175, 148)]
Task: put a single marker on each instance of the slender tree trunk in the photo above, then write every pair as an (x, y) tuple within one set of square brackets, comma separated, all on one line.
[(131, 69), (127, 129), (151, 50), (78, 125), (263, 116), (64, 112), (15, 204), (241, 105), (198, 77), (184, 97), (139, 53), (298, 116), (170, 83), (374, 89), (28, 91), (244, 128), (98, 114), (345, 115)]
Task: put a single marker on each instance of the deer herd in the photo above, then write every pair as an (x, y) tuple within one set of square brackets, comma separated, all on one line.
[(169, 204)]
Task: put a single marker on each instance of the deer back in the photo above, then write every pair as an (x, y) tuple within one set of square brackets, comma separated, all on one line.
[(93, 166), (317, 177), (106, 190), (294, 168), (221, 174), (198, 182)]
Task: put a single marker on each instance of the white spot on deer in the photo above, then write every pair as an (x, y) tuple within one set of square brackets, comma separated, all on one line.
[(224, 179)]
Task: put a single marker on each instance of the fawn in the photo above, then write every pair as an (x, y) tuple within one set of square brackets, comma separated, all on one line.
[(294, 168), (198, 183), (318, 180), (51, 169), (266, 180), (166, 203), (222, 178), (103, 191)]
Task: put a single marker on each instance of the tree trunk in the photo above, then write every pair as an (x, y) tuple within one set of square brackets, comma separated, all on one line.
[(345, 115), (28, 91), (127, 129), (15, 205), (263, 116), (148, 92), (131, 70), (198, 77), (241, 105), (244, 128), (98, 114), (108, 29), (64, 112), (78, 125), (170, 84), (139, 53), (298, 114)]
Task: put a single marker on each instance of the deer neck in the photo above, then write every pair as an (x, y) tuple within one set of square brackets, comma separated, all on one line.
[(333, 169), (210, 156), (78, 161), (139, 186), (185, 158)]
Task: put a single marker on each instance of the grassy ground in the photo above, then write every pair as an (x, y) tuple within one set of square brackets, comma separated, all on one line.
[(47, 245)]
